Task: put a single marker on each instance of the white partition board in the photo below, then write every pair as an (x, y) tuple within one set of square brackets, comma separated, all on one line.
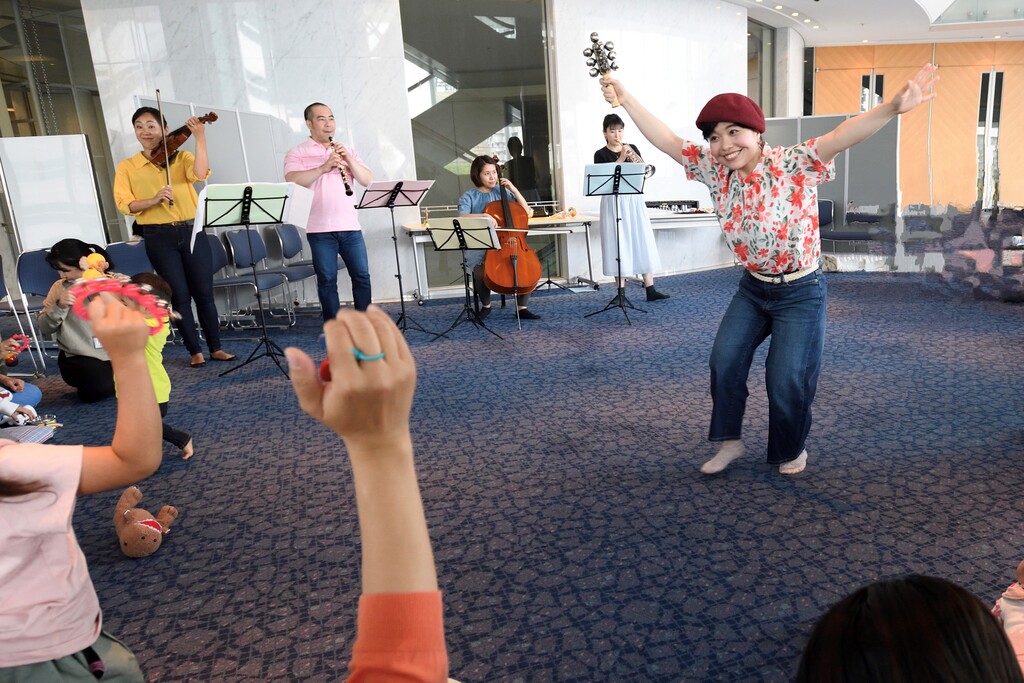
[(51, 190), (238, 143)]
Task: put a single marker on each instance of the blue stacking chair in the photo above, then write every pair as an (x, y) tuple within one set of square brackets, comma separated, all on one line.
[(262, 282), (35, 277), (8, 308), (129, 257), (251, 249)]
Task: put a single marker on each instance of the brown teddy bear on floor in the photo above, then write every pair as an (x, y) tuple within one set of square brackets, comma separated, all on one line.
[(138, 532)]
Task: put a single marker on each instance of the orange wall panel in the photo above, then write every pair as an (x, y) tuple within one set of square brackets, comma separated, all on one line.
[(837, 92), (954, 136), (856, 57), (1011, 138), (965, 54), (914, 157), (912, 56), (1010, 52)]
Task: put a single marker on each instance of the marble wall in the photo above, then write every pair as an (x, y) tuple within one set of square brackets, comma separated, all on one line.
[(274, 57)]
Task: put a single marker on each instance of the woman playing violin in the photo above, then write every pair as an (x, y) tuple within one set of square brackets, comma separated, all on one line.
[(164, 212), (484, 174)]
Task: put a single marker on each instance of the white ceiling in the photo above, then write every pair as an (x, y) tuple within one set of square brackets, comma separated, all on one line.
[(856, 22)]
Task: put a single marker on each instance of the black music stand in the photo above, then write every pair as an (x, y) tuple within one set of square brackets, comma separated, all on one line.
[(389, 194), (463, 234), (247, 205), (615, 179)]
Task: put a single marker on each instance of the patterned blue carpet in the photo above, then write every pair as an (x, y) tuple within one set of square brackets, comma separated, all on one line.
[(575, 538)]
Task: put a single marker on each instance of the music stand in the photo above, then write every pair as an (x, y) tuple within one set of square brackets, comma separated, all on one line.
[(247, 205), (389, 194), (615, 179), (463, 234)]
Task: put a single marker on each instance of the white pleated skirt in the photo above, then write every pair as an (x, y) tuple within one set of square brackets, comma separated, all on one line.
[(636, 241)]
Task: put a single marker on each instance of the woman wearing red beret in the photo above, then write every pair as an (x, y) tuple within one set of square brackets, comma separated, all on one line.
[(766, 200)]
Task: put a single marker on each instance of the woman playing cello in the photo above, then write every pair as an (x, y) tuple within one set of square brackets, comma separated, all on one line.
[(484, 174)]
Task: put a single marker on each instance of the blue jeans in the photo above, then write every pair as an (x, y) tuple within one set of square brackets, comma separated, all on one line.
[(793, 314), (190, 275), (31, 395), (325, 248)]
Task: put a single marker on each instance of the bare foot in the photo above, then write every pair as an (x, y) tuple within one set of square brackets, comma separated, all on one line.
[(187, 451), (221, 354), (197, 360)]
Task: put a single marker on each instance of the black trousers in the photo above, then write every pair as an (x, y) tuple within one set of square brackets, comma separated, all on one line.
[(175, 437), (484, 294), (92, 377)]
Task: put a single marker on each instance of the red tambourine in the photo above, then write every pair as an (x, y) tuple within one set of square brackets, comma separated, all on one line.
[(22, 340), (11, 357), (85, 289)]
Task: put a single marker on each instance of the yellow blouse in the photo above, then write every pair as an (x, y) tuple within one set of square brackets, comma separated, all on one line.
[(139, 178)]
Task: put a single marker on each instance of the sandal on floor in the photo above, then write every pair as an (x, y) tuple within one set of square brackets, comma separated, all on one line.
[(200, 364), (229, 359)]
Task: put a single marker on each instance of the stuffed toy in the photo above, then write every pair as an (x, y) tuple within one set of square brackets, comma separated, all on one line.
[(93, 266), (138, 532)]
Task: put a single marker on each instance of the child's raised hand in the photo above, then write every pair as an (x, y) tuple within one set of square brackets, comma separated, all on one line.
[(373, 377), (121, 331)]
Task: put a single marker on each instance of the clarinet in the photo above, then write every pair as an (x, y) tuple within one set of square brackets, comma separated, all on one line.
[(341, 170), (633, 158)]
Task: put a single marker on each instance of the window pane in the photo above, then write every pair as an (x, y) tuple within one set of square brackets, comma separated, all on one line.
[(474, 82), (760, 65)]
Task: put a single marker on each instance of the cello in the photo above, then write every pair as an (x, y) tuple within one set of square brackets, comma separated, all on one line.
[(513, 268)]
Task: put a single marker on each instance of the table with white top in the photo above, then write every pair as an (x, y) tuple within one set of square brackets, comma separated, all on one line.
[(538, 225)]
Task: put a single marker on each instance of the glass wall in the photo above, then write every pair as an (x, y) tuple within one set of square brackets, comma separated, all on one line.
[(49, 85), (477, 83), (761, 65)]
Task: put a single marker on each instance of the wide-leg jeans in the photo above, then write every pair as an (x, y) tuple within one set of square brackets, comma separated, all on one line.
[(793, 315)]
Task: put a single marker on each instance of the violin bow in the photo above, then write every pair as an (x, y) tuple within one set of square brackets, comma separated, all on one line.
[(163, 138)]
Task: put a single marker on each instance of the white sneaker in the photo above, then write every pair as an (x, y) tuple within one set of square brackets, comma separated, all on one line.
[(794, 466), (726, 454)]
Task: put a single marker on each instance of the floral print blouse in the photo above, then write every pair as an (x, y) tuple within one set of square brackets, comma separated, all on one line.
[(770, 218)]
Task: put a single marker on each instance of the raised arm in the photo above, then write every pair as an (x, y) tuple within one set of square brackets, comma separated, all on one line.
[(652, 128), (135, 451), (367, 403), (201, 165), (861, 127)]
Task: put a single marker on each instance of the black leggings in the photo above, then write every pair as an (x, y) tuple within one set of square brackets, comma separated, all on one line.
[(175, 437), (484, 293), (94, 378)]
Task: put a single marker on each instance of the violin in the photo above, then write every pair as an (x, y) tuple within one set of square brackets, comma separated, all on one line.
[(175, 139), (513, 268)]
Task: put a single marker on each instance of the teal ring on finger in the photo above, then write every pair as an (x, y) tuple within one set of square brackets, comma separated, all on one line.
[(362, 356)]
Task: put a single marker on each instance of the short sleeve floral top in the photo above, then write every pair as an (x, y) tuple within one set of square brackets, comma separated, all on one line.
[(770, 218)]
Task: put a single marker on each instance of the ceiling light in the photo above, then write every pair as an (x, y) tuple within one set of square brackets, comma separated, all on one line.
[(778, 7), (864, 41), (794, 14), (807, 21), (816, 26)]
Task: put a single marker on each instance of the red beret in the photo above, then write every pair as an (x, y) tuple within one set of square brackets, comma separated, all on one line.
[(732, 107)]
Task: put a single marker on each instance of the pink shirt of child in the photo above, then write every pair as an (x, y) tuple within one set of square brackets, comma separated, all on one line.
[(48, 606), (332, 210)]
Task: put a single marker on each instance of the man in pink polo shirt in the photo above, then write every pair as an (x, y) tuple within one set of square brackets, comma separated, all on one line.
[(330, 169)]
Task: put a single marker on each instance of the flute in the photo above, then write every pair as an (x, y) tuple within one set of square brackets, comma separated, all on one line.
[(341, 170)]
